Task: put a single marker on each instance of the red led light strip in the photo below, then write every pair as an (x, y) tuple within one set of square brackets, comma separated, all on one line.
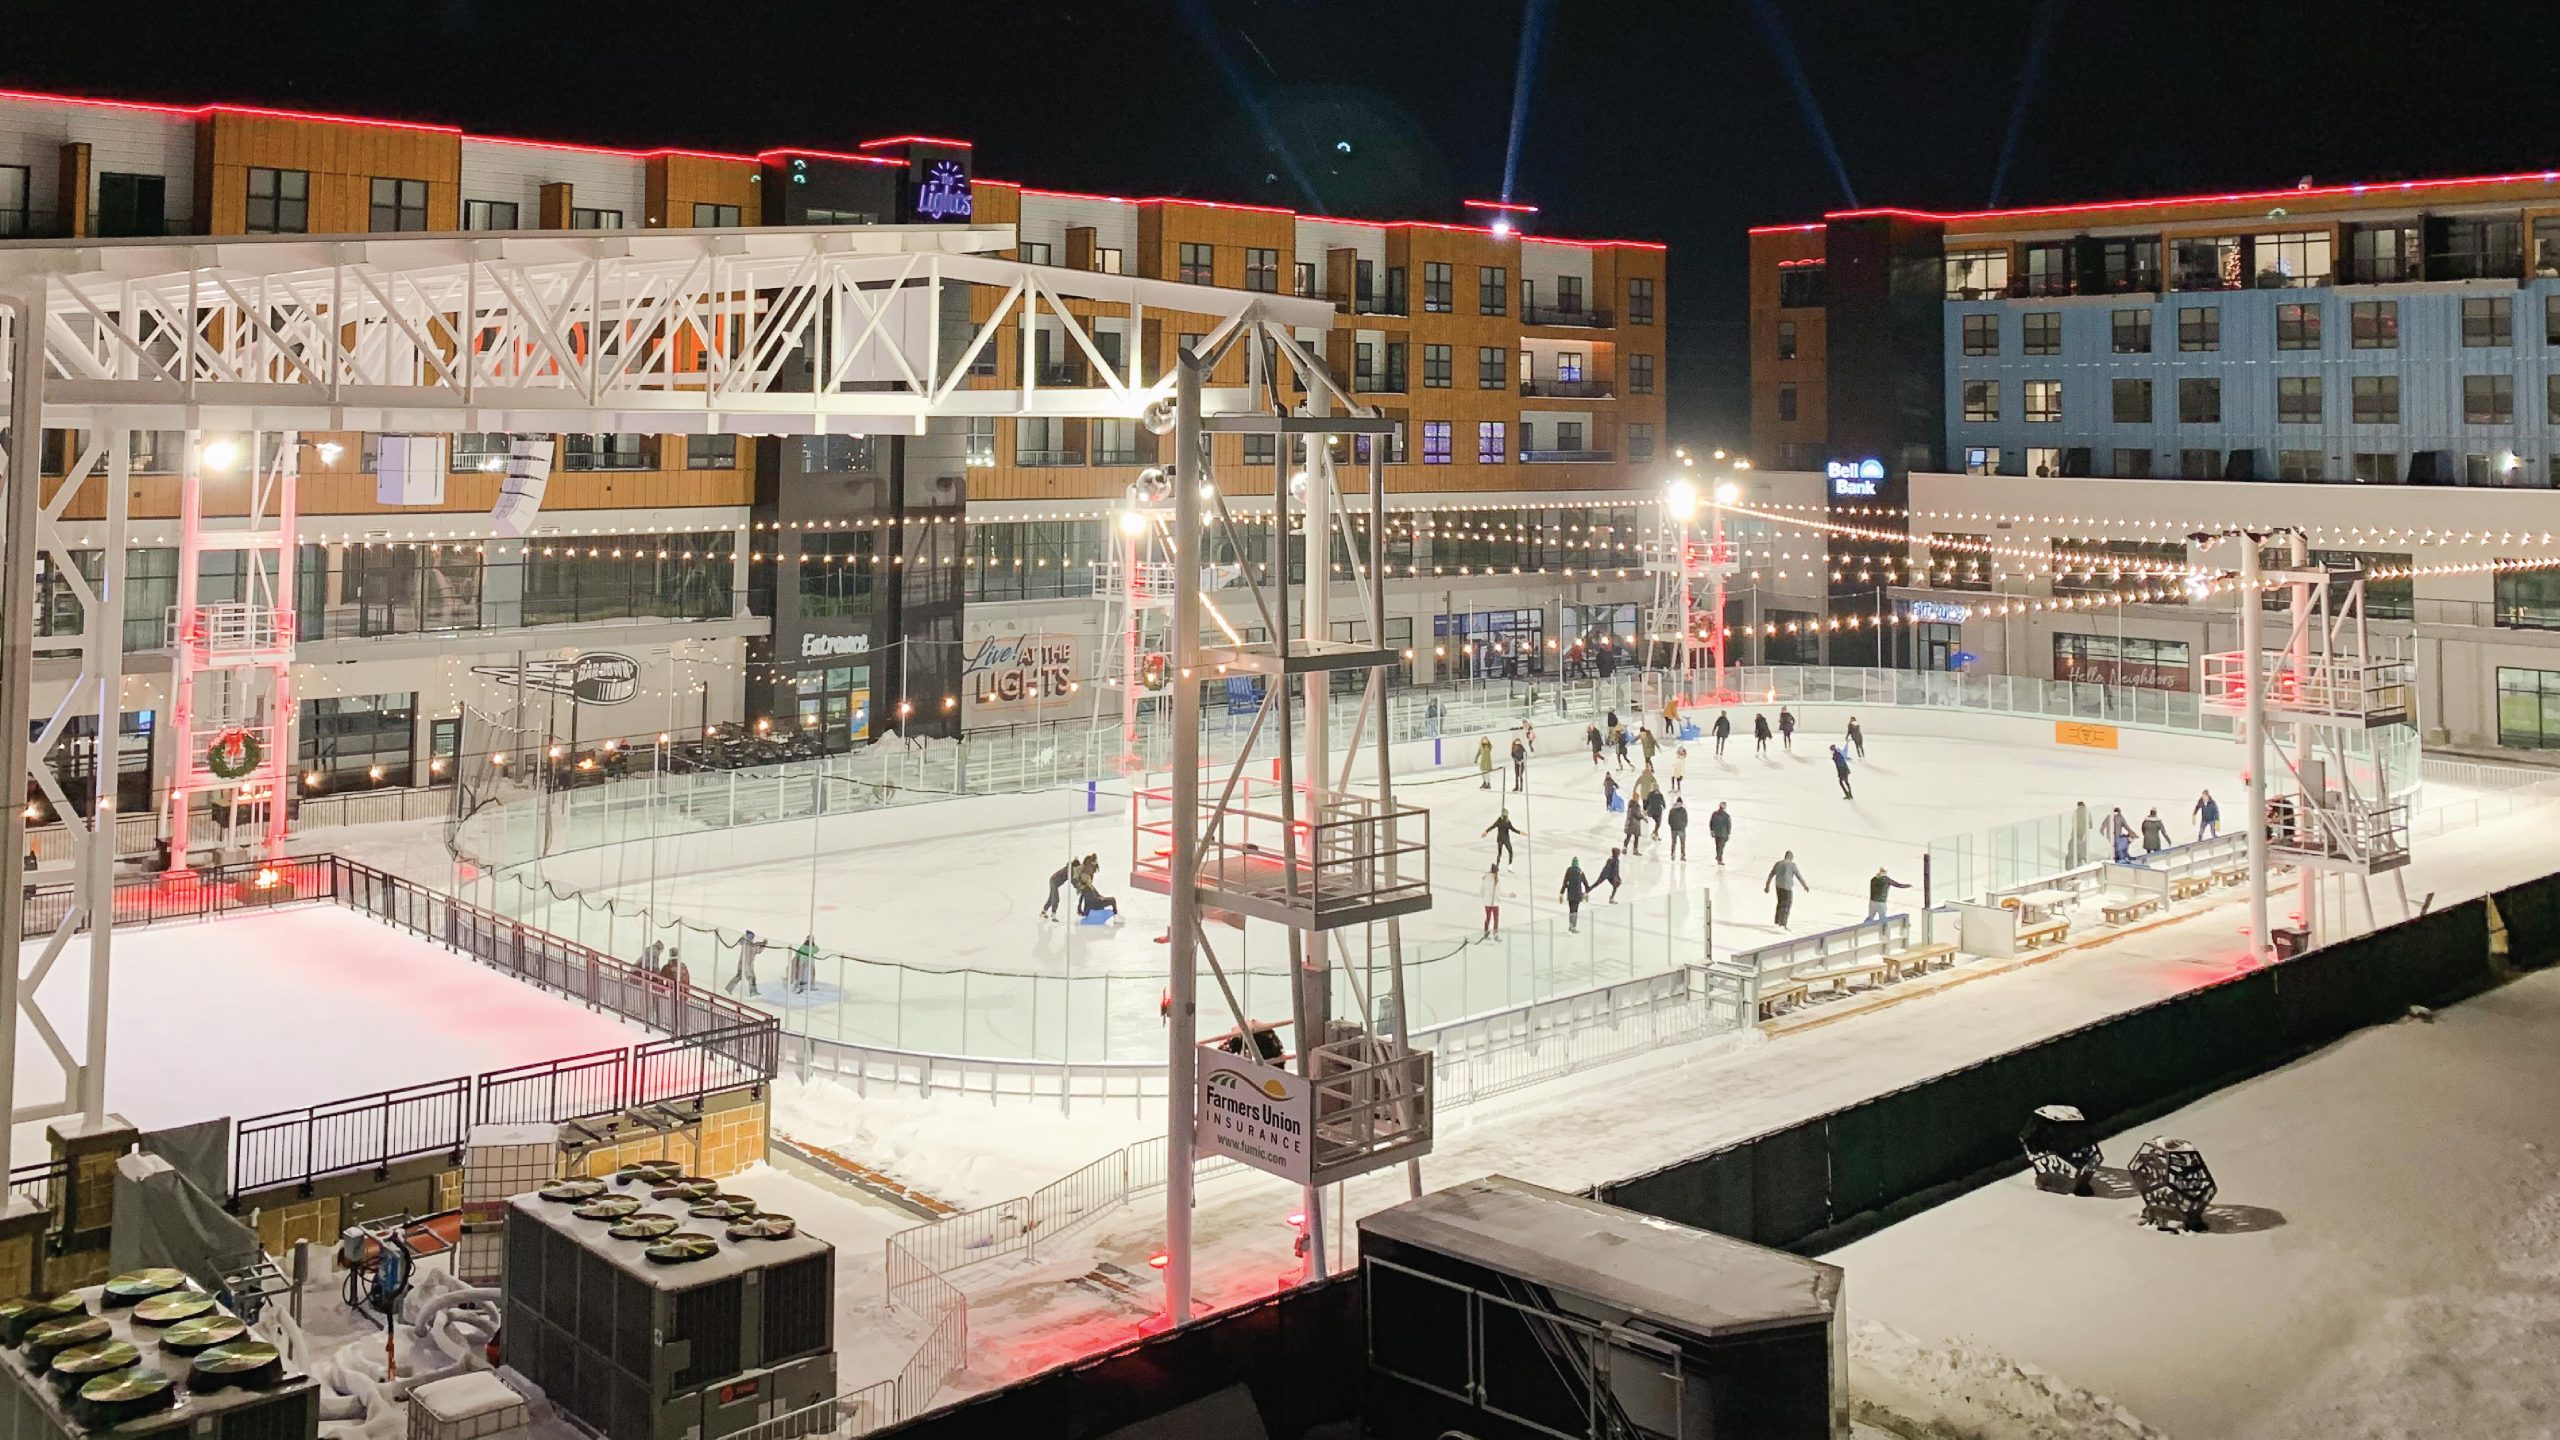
[(2234, 197)]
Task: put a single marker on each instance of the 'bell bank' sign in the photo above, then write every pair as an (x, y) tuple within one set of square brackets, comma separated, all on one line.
[(1851, 479)]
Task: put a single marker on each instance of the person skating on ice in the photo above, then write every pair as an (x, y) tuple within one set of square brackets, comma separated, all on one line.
[(1491, 888), (1519, 763), (1057, 882), (1610, 876), (1484, 763), (1592, 733), (2119, 834), (1575, 887), (1623, 743), (1840, 766), (749, 948), (1529, 728), (1857, 738), (804, 964), (1723, 730), (1720, 829), (1645, 788), (1679, 829), (1879, 886), (1786, 879), (2155, 833), (1502, 829), (1759, 734), (1634, 840), (1787, 729), (1654, 810), (1609, 792), (2208, 816), (1679, 768), (1650, 744)]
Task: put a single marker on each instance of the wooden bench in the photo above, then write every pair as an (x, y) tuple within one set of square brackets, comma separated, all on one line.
[(2188, 887), (1917, 959), (2123, 912), (2031, 936), (2231, 875), (1838, 979), (1790, 993)]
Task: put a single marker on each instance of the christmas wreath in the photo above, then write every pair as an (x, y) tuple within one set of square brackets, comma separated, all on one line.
[(233, 754), (1155, 672)]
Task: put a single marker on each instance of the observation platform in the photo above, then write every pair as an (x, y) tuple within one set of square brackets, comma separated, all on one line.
[(1339, 859)]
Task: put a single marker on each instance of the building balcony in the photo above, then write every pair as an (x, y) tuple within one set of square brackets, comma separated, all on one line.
[(1569, 389), (1566, 457), (1578, 316), (1047, 459), (1379, 305), (2024, 287), (1121, 457), (1062, 377), (2379, 272), (1381, 385)]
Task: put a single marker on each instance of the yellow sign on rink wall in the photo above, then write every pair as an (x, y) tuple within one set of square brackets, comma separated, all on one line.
[(2075, 732)]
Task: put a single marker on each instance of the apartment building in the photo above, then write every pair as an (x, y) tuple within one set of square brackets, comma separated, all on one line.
[(850, 581)]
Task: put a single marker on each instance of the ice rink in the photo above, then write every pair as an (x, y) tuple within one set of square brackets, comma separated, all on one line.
[(256, 1013), (947, 895)]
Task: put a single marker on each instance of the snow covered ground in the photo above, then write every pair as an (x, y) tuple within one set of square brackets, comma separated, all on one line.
[(2384, 1258), (255, 1013)]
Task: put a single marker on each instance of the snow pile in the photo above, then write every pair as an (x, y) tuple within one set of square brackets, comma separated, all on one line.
[(962, 1152), (1909, 1388)]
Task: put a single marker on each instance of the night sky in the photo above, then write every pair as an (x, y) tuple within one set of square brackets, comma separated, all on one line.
[(1648, 118)]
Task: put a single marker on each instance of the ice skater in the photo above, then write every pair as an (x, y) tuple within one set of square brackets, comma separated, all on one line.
[(1591, 733), (1646, 786), (1610, 876), (1654, 809), (1787, 729), (1786, 879), (1057, 882), (1609, 792), (2208, 817), (1650, 744), (1679, 829), (750, 947), (1502, 830), (1857, 738), (1634, 840), (1484, 763), (1529, 728), (1720, 829), (2155, 833), (804, 964), (1679, 768), (1840, 766), (2075, 852), (1623, 762), (1575, 887), (1723, 730), (1491, 888), (1880, 886), (2119, 835), (1519, 764), (1759, 734), (653, 956)]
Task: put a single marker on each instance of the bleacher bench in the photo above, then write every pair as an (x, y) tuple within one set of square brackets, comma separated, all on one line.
[(1917, 959), (2231, 875), (1838, 977), (2031, 936), (2187, 887), (1790, 993), (2121, 912)]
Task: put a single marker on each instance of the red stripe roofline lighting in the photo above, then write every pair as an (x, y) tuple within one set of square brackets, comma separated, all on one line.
[(917, 140), (1499, 205), (2234, 197), (1322, 219), (793, 151)]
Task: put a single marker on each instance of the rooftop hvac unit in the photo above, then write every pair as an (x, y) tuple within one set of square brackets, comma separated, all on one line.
[(145, 1356)]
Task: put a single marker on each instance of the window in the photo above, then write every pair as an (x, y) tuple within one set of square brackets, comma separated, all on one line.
[(1436, 366), (1032, 252), (1396, 373), (2200, 327), (131, 204), (2382, 254), (1493, 367), (1640, 443), (2133, 332), (1639, 374), (2484, 247), (1197, 261), (347, 739), (1982, 460), (810, 216), (1569, 294), (1302, 276), (2295, 257), (2044, 402), (711, 452), (2488, 399), (2488, 322), (2528, 599), (1395, 445), (2377, 467), (279, 202), (2200, 401), (1399, 302), (1261, 449), (482, 450), (1107, 259), (2133, 464), (2048, 269), (2121, 660), (2132, 402), (1569, 366), (2302, 465), (2199, 464), (398, 205), (2546, 247), (2044, 460), (1490, 445), (2041, 332), (1800, 286), (1364, 366), (1981, 401), (1787, 401), (2298, 327), (1982, 334), (1956, 561), (1435, 442), (708, 216), (2205, 263), (1569, 436), (2375, 324), (2551, 398), (1977, 274), (1438, 283), (1786, 339), (980, 446), (2374, 399), (836, 574), (1639, 302), (2298, 400), (1262, 270), (585, 218), (14, 214), (489, 215), (2128, 264), (604, 452), (2529, 708)]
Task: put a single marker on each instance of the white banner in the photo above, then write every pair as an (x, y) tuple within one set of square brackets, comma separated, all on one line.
[(1259, 1114)]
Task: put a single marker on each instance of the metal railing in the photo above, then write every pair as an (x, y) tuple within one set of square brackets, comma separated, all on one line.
[(1568, 389), (1562, 457), (1580, 315)]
